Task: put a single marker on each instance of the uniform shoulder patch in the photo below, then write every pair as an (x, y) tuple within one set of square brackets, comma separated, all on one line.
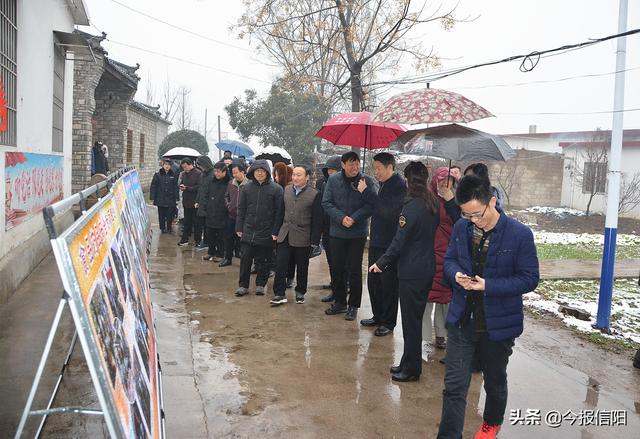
[(402, 221)]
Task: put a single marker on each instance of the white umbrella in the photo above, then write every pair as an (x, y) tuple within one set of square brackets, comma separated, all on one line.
[(273, 153), (181, 152)]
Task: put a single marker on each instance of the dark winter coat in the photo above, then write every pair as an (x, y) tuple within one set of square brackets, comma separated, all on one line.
[(192, 182), (232, 196), (335, 163), (387, 204), (301, 217), (449, 213), (211, 200), (341, 198), (511, 270), (412, 244), (100, 162), (164, 188), (258, 208)]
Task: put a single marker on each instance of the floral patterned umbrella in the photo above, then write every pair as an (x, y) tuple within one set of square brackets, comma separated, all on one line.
[(429, 105)]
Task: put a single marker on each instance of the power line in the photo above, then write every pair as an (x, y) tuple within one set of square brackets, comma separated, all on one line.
[(627, 110), (182, 29), (186, 61)]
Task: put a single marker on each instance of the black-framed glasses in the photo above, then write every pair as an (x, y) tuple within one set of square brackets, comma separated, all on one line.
[(473, 216)]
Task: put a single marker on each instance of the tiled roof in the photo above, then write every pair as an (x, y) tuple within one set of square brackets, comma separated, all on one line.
[(128, 73), (149, 110)]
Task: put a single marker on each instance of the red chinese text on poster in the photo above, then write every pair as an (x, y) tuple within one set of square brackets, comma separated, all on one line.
[(3, 109)]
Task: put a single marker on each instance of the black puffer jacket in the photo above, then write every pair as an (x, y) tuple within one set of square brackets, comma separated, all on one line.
[(211, 200), (164, 188), (258, 208)]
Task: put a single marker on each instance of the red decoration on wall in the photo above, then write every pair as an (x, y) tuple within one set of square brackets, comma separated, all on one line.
[(3, 109)]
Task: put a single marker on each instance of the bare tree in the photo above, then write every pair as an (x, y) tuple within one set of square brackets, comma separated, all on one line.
[(592, 176), (169, 100), (184, 112), (149, 91), (334, 47), (508, 177), (629, 193)]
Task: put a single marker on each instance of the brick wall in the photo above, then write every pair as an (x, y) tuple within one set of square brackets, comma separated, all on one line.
[(140, 122)]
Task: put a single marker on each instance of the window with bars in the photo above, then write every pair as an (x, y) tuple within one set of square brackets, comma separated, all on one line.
[(58, 98), (594, 179), (141, 148), (129, 146), (8, 71)]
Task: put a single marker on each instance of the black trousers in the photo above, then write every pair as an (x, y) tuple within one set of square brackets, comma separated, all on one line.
[(231, 240), (326, 246), (165, 217), (413, 301), (263, 256), (383, 291), (192, 225), (347, 261), (300, 255), (214, 240)]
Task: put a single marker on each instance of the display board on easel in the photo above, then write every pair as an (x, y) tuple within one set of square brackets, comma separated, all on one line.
[(102, 259)]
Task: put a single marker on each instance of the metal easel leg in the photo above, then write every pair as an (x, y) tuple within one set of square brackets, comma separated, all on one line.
[(43, 362)]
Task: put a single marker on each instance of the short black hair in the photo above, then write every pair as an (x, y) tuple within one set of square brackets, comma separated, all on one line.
[(186, 161), (221, 166), (386, 159), (227, 152), (473, 187), (242, 157), (240, 166), (479, 169), (307, 169), (350, 156)]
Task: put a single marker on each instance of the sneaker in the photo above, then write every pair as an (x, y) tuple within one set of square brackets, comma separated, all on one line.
[(352, 313), (183, 243), (328, 298), (259, 291), (299, 297), (336, 308), (487, 431), (242, 291), (201, 247), (289, 283), (278, 300)]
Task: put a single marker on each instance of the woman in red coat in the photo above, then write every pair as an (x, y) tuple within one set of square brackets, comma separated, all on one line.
[(443, 185)]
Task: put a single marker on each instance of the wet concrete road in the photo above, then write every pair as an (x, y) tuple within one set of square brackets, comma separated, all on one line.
[(235, 367), (291, 371)]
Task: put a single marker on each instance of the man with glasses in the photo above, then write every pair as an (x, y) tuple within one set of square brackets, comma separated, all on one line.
[(491, 262)]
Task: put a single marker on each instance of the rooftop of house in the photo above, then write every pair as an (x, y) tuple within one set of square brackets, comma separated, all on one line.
[(576, 136), (149, 110)]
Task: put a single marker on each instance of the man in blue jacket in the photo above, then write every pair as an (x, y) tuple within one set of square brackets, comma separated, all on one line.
[(491, 262), (387, 205), (349, 214)]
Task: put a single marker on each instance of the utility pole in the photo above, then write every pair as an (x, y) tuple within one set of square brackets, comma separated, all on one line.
[(613, 188), (205, 126), (219, 138)]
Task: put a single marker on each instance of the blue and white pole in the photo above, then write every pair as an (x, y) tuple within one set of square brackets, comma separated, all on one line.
[(613, 188)]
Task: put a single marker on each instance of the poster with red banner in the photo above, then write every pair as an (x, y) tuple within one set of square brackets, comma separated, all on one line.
[(32, 182), (102, 259)]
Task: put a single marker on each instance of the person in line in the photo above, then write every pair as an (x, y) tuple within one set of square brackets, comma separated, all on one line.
[(413, 249), (443, 186), (99, 162), (231, 199), (211, 205), (349, 213), (300, 224), (387, 204), (491, 262), (481, 170), (164, 194), (189, 184), (259, 206), (282, 174), (332, 166)]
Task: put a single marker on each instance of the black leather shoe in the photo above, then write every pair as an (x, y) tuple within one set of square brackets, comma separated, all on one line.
[(404, 377), (328, 298), (395, 369), (336, 308), (381, 331), (368, 322), (224, 263), (352, 313)]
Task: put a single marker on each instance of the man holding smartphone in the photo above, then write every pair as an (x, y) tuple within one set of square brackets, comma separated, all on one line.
[(491, 262)]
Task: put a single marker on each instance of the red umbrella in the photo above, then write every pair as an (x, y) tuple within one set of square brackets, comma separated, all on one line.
[(429, 105), (357, 129)]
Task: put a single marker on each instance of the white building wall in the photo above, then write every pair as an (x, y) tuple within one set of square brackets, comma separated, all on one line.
[(572, 195), (36, 21), (533, 143)]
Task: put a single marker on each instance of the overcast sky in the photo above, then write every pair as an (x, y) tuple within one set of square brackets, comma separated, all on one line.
[(503, 28)]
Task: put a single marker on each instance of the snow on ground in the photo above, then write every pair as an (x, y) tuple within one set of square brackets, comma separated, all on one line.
[(583, 294), (542, 237), (560, 212)]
